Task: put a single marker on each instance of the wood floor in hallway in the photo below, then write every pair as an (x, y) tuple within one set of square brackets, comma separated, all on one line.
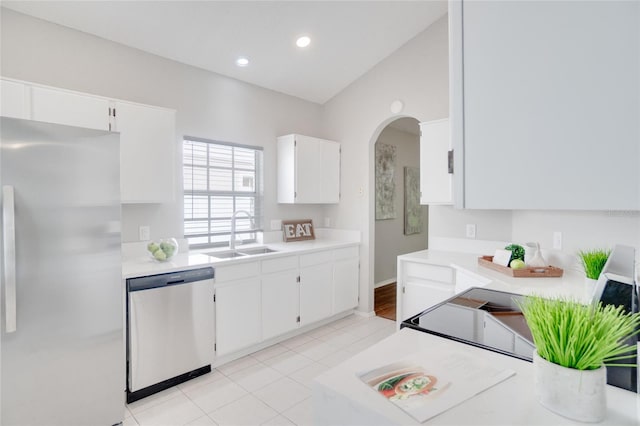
[(385, 301)]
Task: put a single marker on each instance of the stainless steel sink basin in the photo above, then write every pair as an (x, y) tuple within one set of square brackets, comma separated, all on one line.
[(249, 251), (225, 254), (256, 250)]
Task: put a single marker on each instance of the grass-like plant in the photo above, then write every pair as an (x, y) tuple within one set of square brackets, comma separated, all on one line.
[(593, 261), (579, 336)]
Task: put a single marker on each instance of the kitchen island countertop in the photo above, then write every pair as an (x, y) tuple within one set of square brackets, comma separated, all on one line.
[(340, 397)]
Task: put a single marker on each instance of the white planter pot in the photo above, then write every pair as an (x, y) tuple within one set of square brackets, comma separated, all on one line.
[(589, 288), (575, 394)]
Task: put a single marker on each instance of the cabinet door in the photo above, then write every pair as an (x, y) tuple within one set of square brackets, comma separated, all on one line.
[(419, 295), (316, 293), (496, 335), (13, 99), (523, 347), (308, 179), (147, 152), (69, 108), (280, 303), (238, 315), (330, 174), (435, 180), (547, 110), (345, 284)]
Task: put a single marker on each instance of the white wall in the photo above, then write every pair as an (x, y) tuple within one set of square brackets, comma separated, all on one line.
[(416, 74), (390, 241), (209, 105), (580, 230)]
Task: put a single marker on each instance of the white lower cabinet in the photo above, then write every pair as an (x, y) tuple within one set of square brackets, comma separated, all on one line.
[(316, 293), (261, 300), (497, 335), (420, 295), (280, 302), (421, 286), (238, 315), (345, 284)]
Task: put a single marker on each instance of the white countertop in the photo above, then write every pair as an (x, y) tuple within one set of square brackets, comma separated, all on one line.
[(143, 265), (571, 284), (340, 397)]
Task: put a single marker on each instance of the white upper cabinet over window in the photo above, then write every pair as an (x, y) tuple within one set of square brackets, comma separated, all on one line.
[(308, 170), (545, 100), (436, 183)]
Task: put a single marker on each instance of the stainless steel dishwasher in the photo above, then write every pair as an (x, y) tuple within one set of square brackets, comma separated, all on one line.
[(170, 330)]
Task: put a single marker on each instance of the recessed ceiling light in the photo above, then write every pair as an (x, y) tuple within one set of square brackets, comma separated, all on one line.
[(242, 62), (303, 41)]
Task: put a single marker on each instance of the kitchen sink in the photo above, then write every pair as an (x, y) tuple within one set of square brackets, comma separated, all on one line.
[(256, 250), (225, 254), (249, 251)]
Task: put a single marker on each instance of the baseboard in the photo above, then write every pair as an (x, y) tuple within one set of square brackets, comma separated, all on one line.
[(365, 314), (385, 282)]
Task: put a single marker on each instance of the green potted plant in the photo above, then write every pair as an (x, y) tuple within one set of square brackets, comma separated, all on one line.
[(593, 261), (574, 343)]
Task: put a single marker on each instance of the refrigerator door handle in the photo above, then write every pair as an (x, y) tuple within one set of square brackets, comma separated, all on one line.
[(9, 251)]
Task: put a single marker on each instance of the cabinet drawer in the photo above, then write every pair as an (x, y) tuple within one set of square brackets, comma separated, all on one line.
[(431, 272), (234, 272), (346, 253), (316, 258), (279, 264)]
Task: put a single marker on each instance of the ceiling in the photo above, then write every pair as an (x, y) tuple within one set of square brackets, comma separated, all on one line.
[(348, 37)]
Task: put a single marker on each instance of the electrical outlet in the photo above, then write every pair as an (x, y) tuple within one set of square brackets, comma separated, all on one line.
[(327, 222), (471, 230), (276, 224), (144, 233), (557, 240)]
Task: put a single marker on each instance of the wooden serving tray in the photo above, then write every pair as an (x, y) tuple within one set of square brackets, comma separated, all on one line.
[(528, 272)]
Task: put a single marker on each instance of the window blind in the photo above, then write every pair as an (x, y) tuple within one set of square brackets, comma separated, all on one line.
[(220, 179)]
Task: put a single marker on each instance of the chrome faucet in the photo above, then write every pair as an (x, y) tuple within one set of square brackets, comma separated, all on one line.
[(232, 237)]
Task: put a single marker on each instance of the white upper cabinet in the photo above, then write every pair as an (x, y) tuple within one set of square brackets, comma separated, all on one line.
[(147, 133), (69, 108), (436, 183), (13, 99), (147, 152), (308, 170), (545, 100)]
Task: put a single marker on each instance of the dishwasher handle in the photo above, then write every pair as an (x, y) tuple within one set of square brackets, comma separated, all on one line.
[(169, 279)]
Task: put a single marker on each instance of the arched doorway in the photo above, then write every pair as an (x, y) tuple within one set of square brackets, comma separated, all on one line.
[(400, 224)]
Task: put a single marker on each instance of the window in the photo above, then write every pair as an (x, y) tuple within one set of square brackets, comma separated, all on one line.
[(220, 179)]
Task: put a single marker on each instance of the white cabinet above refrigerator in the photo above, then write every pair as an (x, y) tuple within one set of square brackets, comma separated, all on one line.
[(148, 137)]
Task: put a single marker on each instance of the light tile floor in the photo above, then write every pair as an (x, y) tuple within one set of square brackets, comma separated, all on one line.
[(269, 387)]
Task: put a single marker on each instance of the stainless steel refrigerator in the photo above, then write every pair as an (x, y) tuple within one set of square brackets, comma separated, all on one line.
[(62, 357)]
